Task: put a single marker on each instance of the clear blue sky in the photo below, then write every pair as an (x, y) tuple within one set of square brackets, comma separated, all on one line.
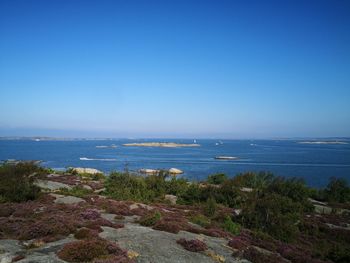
[(230, 69)]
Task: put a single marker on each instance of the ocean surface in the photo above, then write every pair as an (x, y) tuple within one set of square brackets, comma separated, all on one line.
[(315, 163)]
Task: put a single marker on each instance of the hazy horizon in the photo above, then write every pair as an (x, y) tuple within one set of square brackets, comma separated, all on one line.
[(175, 69)]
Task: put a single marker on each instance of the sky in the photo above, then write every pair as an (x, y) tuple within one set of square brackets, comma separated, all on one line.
[(175, 69)]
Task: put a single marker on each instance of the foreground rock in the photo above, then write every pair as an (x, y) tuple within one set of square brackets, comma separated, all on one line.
[(158, 246), (51, 185), (67, 199), (15, 251)]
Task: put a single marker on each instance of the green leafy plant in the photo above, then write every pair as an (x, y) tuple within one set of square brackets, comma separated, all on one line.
[(150, 219), (210, 207), (232, 227), (217, 178), (201, 220)]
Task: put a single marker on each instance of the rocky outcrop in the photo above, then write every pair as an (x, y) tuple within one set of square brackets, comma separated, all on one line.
[(149, 171), (51, 185), (159, 246), (81, 170), (175, 171), (67, 199), (171, 199)]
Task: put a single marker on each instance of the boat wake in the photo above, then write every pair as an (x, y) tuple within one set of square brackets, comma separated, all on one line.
[(96, 159)]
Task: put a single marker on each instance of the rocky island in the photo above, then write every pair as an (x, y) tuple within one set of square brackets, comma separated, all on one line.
[(162, 144)]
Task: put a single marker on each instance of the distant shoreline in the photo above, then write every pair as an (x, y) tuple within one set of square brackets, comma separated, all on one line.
[(323, 142)]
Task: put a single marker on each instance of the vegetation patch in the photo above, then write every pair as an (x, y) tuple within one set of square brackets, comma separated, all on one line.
[(200, 220), (231, 226), (17, 182), (150, 219), (86, 233), (89, 250), (193, 245)]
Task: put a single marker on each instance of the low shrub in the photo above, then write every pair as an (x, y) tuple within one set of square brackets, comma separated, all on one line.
[(150, 219), (238, 243), (89, 250), (210, 207), (217, 178), (337, 190), (17, 182), (255, 255), (167, 226), (230, 226), (86, 233), (123, 186), (90, 214), (193, 245), (200, 220)]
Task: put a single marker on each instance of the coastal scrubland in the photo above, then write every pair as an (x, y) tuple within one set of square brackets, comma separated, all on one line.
[(259, 217)]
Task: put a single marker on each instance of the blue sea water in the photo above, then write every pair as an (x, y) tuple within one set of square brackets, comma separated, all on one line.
[(315, 163)]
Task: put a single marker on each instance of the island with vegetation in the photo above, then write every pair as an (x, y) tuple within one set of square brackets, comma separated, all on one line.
[(162, 144), (85, 216)]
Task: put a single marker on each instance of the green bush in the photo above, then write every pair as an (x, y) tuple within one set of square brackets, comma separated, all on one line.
[(177, 186), (337, 190), (230, 226), (124, 186), (201, 220), (210, 207), (216, 178), (150, 219), (252, 180), (274, 214), (191, 195), (156, 185), (17, 182)]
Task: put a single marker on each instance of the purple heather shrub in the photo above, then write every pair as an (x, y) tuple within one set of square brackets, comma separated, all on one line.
[(90, 214), (86, 233), (89, 250), (6, 210), (257, 256), (193, 245), (238, 243), (167, 226)]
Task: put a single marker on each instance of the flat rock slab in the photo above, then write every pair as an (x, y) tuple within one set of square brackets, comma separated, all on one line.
[(159, 246), (51, 185), (67, 199), (9, 249), (41, 258), (43, 254), (124, 220), (139, 205)]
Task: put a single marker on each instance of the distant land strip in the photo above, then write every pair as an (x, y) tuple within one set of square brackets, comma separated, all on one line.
[(323, 142)]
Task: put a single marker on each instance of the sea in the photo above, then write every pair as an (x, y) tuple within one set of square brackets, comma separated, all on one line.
[(315, 163)]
